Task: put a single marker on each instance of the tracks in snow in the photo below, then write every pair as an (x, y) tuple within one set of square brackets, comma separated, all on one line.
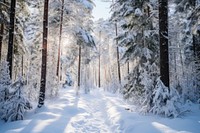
[(94, 117)]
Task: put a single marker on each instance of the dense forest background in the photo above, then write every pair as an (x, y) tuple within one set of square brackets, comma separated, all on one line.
[(148, 51)]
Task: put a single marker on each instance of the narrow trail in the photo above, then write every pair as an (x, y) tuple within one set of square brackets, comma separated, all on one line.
[(95, 119), (92, 119)]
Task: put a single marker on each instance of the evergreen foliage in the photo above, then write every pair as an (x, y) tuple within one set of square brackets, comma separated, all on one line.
[(140, 38), (16, 104), (165, 101), (5, 82)]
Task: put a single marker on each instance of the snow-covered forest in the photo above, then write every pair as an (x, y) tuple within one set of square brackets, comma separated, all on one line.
[(136, 72)]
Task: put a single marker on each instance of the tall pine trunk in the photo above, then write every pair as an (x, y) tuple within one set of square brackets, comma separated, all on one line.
[(22, 63), (128, 69), (163, 32), (1, 38), (99, 70), (44, 55), (79, 67), (118, 63), (60, 39), (11, 36), (1, 33)]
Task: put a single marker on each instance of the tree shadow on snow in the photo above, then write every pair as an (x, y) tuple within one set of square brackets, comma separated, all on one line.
[(55, 120)]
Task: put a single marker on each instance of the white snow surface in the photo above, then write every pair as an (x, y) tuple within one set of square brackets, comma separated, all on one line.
[(98, 112)]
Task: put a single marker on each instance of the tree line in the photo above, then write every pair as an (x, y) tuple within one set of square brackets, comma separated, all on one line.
[(33, 49), (161, 39), (143, 52)]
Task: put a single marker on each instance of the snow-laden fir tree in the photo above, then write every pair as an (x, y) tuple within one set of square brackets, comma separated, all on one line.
[(165, 101), (5, 83), (16, 104), (140, 38)]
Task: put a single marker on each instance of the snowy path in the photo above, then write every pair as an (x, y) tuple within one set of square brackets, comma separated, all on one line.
[(97, 112), (91, 120)]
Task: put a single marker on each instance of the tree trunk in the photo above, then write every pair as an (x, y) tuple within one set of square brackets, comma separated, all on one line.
[(79, 67), (163, 32), (44, 55), (99, 68), (128, 69), (1, 38), (60, 39), (99, 61), (22, 63), (1, 33), (11, 36), (118, 63)]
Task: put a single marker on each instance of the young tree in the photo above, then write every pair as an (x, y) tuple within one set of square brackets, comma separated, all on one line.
[(5, 81), (15, 106), (44, 55)]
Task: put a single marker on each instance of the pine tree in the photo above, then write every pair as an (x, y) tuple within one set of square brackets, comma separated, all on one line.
[(140, 39), (60, 38), (44, 56), (11, 36), (163, 33)]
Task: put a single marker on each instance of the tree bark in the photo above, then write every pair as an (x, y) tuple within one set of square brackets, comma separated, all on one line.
[(163, 32), (128, 69), (1, 38), (79, 67), (60, 39), (118, 62), (11, 36), (99, 69), (22, 63), (99, 61), (1, 33), (44, 55)]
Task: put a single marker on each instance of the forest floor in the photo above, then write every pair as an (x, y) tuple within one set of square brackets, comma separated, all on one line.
[(98, 112)]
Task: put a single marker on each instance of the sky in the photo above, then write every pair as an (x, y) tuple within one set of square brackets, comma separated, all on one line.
[(101, 10)]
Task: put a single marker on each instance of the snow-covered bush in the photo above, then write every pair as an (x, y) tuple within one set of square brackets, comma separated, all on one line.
[(165, 101), (5, 83), (16, 104)]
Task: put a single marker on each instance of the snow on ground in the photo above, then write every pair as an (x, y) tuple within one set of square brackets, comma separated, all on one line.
[(98, 112)]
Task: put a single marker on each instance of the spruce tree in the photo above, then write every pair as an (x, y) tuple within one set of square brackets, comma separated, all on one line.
[(16, 104)]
